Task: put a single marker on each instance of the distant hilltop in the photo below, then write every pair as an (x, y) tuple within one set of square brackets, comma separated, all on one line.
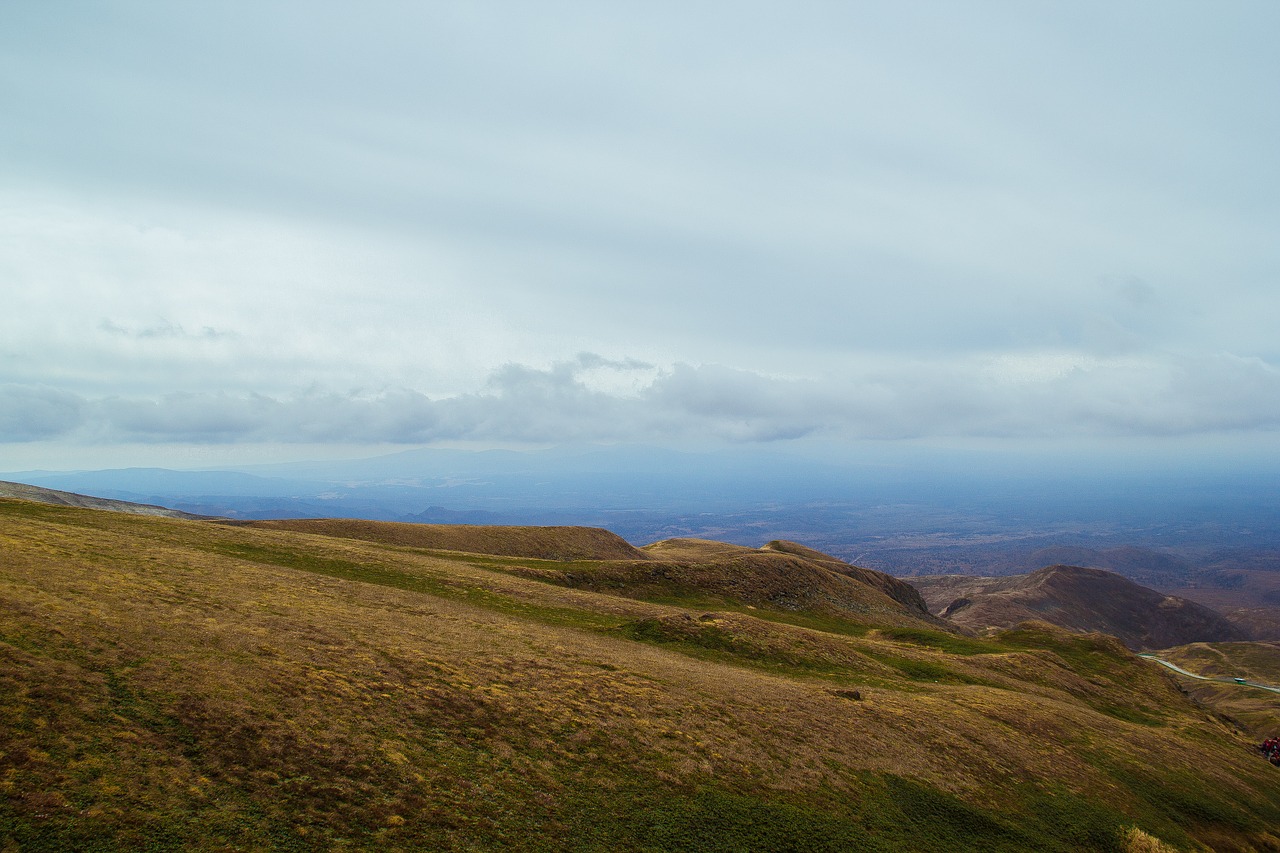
[(544, 542), (53, 496), (1078, 599)]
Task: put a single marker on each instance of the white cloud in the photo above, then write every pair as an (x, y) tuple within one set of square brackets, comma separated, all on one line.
[(845, 221), (522, 404)]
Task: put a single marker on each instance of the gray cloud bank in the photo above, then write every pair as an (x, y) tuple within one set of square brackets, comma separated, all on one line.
[(588, 399)]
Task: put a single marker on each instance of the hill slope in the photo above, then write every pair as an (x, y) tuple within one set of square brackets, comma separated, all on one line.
[(781, 576), (900, 591), (545, 543), (169, 684), (1078, 599), (1252, 710), (1248, 598), (53, 496)]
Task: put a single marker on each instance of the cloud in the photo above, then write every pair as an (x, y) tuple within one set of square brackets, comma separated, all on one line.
[(1022, 221), (188, 417), (968, 190), (34, 413), (1221, 392), (164, 329), (1063, 397)]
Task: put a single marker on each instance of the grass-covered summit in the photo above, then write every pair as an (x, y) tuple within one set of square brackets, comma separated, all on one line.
[(176, 684)]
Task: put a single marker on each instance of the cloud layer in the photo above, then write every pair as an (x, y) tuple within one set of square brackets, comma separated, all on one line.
[(852, 221), (522, 404)]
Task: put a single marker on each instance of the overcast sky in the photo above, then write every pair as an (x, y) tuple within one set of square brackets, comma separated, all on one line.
[(234, 230)]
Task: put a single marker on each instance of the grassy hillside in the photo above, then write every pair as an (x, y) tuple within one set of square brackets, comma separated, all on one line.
[(1254, 711), (786, 585), (52, 496), (547, 543), (170, 684)]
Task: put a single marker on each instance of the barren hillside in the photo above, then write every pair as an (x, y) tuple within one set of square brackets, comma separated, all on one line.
[(1078, 599)]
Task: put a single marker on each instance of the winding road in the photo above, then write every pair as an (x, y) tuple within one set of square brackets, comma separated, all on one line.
[(1221, 678)]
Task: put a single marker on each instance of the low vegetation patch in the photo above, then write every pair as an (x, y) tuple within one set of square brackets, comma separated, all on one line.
[(953, 644), (704, 638)]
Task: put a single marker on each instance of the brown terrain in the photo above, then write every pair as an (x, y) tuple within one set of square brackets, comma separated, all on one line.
[(170, 684), (544, 543), (1249, 599), (1251, 709), (1078, 599), (1241, 584), (782, 576)]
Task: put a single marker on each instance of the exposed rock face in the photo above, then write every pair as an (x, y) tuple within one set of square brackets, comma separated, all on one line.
[(1078, 599)]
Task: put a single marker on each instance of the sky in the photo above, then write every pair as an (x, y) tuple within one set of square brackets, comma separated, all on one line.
[(244, 231)]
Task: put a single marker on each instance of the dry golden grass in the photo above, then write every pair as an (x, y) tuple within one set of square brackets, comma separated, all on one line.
[(1137, 841), (177, 683), (694, 549), (1255, 712), (547, 543), (693, 572)]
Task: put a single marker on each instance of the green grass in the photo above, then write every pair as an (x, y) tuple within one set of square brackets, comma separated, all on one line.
[(1085, 655), (674, 595), (710, 642), (51, 512), (1174, 803), (587, 574), (826, 623), (891, 814), (1122, 680), (953, 644), (926, 670)]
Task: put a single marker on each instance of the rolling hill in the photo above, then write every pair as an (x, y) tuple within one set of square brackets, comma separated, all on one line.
[(544, 543), (1248, 597), (54, 496), (1077, 599), (171, 684), (1250, 709)]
